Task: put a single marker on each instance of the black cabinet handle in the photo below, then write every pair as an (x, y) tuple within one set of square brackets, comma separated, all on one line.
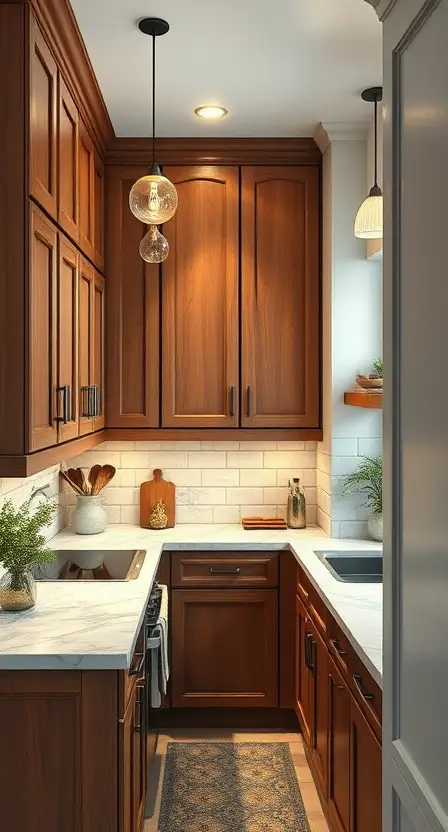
[(311, 653), (364, 693), (337, 686), (139, 726), (232, 400), (85, 399), (97, 400), (337, 649), (308, 663), (65, 390), (139, 664), (225, 571), (248, 399)]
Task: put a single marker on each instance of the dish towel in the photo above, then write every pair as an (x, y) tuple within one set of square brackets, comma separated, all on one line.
[(158, 643)]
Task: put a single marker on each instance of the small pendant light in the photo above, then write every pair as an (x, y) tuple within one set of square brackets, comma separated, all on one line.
[(369, 219), (153, 198)]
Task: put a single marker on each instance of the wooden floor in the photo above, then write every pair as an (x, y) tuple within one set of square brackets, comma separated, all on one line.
[(312, 804)]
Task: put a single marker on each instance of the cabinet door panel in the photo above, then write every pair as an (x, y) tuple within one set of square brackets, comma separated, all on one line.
[(86, 338), (319, 733), (224, 648), (98, 349), (200, 297), (366, 774), (125, 768), (68, 211), (43, 122), (98, 207), (133, 313), (86, 191), (339, 751), (43, 332), (281, 297), (303, 677), (68, 335)]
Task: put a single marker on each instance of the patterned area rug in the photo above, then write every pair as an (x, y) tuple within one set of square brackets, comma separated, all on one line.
[(231, 787)]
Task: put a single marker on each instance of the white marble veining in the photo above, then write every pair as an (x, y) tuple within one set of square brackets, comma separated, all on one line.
[(94, 625)]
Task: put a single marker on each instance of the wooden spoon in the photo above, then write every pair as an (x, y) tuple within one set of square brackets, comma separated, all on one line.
[(85, 483), (104, 477), (77, 477), (93, 475), (73, 485)]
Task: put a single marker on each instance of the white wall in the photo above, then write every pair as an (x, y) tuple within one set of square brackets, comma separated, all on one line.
[(352, 333), (18, 490)]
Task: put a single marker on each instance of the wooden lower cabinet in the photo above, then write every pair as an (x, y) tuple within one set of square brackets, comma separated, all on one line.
[(319, 699), (224, 647), (132, 763), (365, 774), (304, 708), (338, 750)]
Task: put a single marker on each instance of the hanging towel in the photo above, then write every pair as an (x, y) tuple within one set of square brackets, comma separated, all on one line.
[(158, 643)]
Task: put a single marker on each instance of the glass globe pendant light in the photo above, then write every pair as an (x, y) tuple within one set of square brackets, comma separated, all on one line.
[(153, 198), (369, 219), (154, 247)]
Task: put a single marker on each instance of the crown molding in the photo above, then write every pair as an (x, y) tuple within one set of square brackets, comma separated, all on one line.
[(194, 151), (382, 7), (340, 131)]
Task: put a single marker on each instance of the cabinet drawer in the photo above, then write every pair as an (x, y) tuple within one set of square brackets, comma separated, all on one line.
[(226, 569), (312, 600)]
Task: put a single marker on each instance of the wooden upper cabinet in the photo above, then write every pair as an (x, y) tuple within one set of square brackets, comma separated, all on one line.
[(43, 122), (132, 312), (68, 134), (43, 371), (86, 341), (86, 191), (280, 220), (99, 369), (67, 340), (98, 211), (200, 300)]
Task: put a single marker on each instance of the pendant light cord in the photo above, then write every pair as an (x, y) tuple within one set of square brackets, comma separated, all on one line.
[(154, 99), (376, 144)]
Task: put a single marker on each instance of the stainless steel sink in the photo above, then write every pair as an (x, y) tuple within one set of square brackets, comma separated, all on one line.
[(365, 567), (93, 565)]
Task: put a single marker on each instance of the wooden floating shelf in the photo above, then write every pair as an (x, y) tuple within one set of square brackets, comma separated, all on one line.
[(362, 398)]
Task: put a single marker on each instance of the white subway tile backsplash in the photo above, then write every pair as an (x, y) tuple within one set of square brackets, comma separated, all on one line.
[(353, 529), (344, 446), (291, 446), (345, 507), (260, 510), (146, 446), (194, 514), (323, 462), (307, 476), (172, 459), (226, 514), (121, 496), (277, 496), (323, 481), (311, 515), (130, 514), (324, 501), (220, 446), (113, 513), (135, 459), (244, 496), (125, 477), (342, 465), (200, 496), (207, 459), (220, 476), (180, 476), (289, 459), (324, 521), (258, 477), (370, 447), (245, 459), (258, 445), (180, 446)]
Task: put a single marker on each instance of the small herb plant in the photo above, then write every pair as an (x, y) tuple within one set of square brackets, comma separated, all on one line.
[(368, 480), (378, 367), (22, 546)]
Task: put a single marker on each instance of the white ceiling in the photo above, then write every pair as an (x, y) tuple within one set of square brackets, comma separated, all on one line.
[(278, 67)]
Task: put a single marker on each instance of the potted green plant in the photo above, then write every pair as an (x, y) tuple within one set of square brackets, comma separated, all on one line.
[(22, 548), (374, 381), (368, 480)]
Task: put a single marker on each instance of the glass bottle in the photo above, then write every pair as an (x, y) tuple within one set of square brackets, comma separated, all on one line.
[(296, 516)]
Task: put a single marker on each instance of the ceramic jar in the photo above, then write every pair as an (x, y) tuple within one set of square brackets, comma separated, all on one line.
[(375, 526), (17, 591), (89, 516)]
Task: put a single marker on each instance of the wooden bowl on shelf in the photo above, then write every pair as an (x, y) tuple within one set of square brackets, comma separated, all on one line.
[(369, 383)]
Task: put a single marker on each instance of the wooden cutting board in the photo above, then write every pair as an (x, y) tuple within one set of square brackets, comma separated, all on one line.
[(151, 492), (263, 523)]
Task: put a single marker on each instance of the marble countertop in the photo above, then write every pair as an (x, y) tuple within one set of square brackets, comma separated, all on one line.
[(93, 625)]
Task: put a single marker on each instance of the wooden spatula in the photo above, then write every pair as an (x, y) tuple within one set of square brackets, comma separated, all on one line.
[(77, 477), (93, 475), (64, 475), (104, 477)]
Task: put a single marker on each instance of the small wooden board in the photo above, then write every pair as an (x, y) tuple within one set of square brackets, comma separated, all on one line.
[(250, 523), (151, 492)]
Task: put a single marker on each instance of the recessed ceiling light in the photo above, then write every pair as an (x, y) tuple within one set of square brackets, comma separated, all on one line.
[(211, 111)]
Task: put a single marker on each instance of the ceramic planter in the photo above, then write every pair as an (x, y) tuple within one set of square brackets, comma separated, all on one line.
[(375, 526), (89, 516)]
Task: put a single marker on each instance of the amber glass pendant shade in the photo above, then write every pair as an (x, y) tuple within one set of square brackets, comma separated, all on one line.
[(154, 247), (153, 198)]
